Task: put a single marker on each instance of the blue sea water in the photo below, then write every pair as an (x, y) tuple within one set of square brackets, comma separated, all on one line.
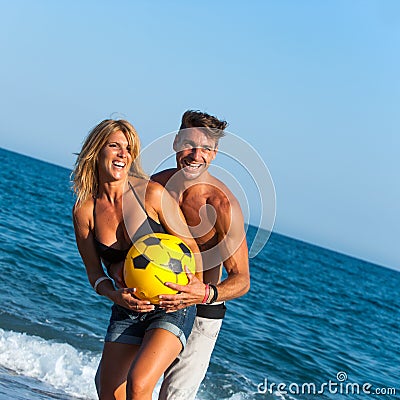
[(312, 316)]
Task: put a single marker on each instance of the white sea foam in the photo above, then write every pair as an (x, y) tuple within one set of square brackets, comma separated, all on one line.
[(57, 364)]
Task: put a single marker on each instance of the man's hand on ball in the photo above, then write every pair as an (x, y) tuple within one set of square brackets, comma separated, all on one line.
[(190, 294)]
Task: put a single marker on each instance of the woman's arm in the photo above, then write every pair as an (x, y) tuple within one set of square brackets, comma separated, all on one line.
[(94, 270)]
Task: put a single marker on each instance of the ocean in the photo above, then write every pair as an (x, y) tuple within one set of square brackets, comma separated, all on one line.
[(315, 324)]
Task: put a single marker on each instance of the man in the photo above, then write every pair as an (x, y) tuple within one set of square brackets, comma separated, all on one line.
[(216, 222)]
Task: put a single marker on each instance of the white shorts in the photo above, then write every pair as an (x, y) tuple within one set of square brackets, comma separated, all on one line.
[(183, 378)]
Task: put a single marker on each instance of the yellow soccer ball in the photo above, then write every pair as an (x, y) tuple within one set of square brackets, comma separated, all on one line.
[(155, 259)]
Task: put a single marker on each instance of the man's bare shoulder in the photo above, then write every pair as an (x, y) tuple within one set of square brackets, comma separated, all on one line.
[(221, 195), (164, 176)]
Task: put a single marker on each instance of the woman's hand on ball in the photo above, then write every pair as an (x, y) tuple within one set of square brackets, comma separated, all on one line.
[(125, 297), (190, 294)]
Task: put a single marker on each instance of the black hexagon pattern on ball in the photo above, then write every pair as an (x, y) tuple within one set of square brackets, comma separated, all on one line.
[(185, 249), (151, 241), (175, 265), (140, 262)]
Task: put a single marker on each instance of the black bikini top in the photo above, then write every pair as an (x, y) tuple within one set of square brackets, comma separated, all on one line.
[(111, 255)]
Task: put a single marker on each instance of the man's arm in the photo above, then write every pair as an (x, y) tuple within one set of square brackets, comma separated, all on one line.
[(232, 248)]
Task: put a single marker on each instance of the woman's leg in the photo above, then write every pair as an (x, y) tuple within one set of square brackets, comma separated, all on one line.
[(157, 351), (115, 362)]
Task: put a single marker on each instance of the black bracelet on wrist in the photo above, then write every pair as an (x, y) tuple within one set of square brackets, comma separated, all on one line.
[(215, 294)]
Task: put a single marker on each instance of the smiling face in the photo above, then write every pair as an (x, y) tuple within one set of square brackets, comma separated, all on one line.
[(115, 157), (194, 152)]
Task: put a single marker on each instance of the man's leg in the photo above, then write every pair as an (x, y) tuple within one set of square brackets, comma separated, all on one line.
[(183, 378)]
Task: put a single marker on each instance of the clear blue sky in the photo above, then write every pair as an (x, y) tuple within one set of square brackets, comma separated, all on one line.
[(313, 85)]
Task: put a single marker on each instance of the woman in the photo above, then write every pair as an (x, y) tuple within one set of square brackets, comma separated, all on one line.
[(142, 339)]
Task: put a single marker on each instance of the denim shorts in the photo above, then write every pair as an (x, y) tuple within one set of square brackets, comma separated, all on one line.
[(128, 326)]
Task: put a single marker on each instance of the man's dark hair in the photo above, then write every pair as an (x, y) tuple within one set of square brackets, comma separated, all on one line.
[(197, 119)]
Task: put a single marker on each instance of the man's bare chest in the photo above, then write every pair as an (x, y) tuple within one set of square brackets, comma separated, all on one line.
[(200, 217)]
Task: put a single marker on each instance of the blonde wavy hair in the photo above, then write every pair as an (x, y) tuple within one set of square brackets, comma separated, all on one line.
[(85, 176)]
